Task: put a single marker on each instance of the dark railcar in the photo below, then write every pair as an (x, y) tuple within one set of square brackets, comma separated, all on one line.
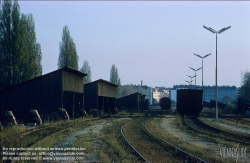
[(46, 94), (243, 105), (189, 102), (165, 103)]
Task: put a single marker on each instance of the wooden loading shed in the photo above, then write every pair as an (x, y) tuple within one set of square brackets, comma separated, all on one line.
[(100, 95), (46, 94), (133, 101)]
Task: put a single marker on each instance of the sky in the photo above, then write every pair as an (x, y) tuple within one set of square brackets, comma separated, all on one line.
[(153, 41)]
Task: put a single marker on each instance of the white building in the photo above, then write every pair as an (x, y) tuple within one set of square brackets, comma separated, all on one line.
[(159, 93)]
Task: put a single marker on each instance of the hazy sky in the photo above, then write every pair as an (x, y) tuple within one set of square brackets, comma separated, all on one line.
[(146, 40)]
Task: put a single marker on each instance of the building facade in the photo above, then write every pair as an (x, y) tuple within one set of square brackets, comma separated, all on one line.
[(224, 92), (159, 92)]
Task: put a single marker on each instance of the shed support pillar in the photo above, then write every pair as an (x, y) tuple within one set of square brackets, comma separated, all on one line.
[(73, 105)]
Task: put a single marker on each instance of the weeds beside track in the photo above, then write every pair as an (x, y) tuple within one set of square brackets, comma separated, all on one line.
[(150, 147), (204, 128)]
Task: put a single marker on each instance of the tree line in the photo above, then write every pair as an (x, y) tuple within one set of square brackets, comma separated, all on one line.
[(21, 55), (68, 57)]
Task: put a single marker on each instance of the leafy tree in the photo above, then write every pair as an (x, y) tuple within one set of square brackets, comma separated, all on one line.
[(68, 55), (244, 91), (20, 55), (114, 78), (34, 55), (227, 99), (5, 44), (127, 89), (86, 69)]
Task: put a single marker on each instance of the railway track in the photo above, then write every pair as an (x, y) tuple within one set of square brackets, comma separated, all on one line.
[(41, 130), (152, 148), (237, 119), (41, 133), (204, 128)]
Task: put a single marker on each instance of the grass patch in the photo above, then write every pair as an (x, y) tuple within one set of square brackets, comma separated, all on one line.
[(206, 154), (13, 137), (235, 123), (113, 146), (151, 147), (87, 141)]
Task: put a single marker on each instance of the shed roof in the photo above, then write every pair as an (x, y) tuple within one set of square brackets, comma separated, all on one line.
[(130, 95), (103, 81), (68, 69)]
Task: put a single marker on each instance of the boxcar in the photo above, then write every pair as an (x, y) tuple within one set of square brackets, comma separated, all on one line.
[(165, 103), (189, 102)]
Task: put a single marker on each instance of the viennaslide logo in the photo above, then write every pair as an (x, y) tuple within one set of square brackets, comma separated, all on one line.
[(233, 152)]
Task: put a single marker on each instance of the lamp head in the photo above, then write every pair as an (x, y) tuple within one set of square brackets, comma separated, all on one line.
[(207, 55), (224, 29), (197, 55), (192, 68), (210, 29)]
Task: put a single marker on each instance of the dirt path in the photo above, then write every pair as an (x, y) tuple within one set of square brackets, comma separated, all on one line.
[(94, 129), (92, 157), (169, 124)]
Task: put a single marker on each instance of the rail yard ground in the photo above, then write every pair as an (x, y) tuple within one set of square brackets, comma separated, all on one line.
[(101, 140)]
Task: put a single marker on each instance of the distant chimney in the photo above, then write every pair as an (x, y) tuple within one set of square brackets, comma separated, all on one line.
[(141, 82)]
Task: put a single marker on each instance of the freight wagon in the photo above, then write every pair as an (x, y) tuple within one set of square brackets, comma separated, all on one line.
[(189, 102), (243, 105), (165, 103)]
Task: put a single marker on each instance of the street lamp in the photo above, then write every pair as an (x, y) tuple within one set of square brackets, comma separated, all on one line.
[(189, 82), (195, 73), (219, 32), (202, 65), (191, 78)]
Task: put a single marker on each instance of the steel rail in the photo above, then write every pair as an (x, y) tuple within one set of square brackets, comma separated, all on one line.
[(145, 125), (132, 145), (217, 129), (242, 121)]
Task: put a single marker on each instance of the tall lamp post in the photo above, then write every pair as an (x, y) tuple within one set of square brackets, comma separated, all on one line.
[(189, 82), (219, 32), (191, 78), (202, 65), (195, 73)]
